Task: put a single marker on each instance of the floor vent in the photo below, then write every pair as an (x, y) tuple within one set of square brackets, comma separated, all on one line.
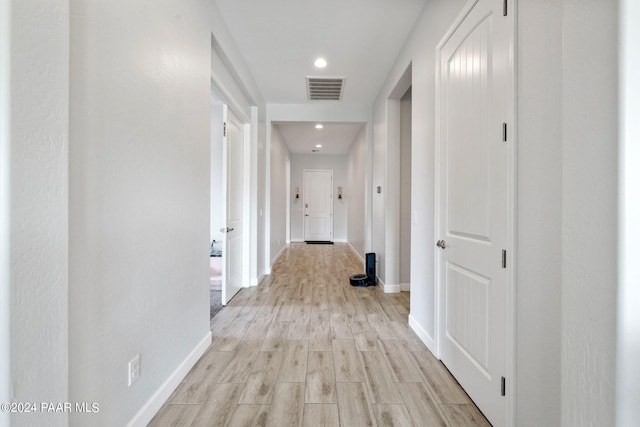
[(325, 88)]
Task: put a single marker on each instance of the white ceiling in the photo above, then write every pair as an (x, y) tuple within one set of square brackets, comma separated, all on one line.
[(280, 39), (335, 138)]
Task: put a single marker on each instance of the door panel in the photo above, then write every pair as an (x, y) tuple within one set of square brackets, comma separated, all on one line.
[(473, 206), (234, 172), (318, 202)]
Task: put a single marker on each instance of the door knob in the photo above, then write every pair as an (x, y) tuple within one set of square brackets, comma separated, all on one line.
[(441, 244)]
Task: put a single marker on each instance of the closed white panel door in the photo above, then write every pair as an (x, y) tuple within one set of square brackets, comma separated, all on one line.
[(234, 173), (318, 206), (473, 225)]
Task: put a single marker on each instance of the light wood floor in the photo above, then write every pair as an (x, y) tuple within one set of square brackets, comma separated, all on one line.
[(307, 349)]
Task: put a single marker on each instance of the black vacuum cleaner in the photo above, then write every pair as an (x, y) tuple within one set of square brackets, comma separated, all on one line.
[(368, 279)]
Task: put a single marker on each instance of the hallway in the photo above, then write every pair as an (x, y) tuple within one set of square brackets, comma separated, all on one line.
[(306, 348)]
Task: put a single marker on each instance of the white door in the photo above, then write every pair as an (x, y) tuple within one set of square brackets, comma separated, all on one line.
[(233, 144), (474, 213), (318, 206)]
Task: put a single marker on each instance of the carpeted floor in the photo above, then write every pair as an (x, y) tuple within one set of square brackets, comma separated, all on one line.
[(215, 303)]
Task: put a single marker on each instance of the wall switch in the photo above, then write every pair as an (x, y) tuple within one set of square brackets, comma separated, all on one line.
[(134, 369)]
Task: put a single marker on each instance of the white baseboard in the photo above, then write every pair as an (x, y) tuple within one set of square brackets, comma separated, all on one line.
[(422, 334), (405, 287), (273, 261), (153, 405), (391, 289), (339, 241), (356, 252)]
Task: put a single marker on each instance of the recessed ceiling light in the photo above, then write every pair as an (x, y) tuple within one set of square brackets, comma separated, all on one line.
[(320, 63), (319, 126), (318, 145)]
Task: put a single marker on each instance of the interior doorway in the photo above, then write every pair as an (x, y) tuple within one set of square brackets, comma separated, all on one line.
[(405, 192), (216, 207)]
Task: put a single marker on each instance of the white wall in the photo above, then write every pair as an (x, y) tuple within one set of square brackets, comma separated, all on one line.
[(405, 190), (589, 211), (300, 162), (539, 218), (279, 157), (419, 52), (217, 203), (5, 210), (379, 180), (39, 118), (139, 199), (355, 193)]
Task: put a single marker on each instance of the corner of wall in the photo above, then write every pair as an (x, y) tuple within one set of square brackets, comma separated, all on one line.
[(151, 407)]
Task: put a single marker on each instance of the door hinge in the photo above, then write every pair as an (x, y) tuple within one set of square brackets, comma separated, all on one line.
[(504, 8), (504, 132), (504, 259), (503, 387), (224, 129)]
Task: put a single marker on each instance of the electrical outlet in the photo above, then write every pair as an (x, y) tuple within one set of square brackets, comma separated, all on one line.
[(134, 369)]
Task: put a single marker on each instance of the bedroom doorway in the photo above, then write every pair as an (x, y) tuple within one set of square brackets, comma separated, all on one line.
[(216, 207)]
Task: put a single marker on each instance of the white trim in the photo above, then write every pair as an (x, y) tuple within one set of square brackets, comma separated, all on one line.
[(253, 207), (391, 289), (356, 253), (405, 287), (422, 334), (512, 302), (153, 405), (628, 333), (246, 205)]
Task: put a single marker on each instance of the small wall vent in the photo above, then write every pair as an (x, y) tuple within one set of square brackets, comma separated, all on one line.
[(325, 88)]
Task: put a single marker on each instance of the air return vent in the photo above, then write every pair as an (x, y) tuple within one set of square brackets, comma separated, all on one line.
[(325, 88)]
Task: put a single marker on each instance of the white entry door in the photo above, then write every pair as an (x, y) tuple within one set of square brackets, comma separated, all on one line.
[(233, 152), (474, 206), (318, 205)]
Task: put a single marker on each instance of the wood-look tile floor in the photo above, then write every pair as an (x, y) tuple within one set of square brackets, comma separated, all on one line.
[(305, 348)]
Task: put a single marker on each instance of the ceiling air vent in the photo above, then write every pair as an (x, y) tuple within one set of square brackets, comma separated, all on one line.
[(325, 88)]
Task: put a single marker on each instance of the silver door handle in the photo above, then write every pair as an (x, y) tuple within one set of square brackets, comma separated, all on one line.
[(441, 244)]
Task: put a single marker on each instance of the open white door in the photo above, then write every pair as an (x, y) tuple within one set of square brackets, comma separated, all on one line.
[(475, 213), (318, 205), (233, 152)]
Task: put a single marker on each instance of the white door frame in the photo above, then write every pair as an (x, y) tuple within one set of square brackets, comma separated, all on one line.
[(510, 119), (287, 192)]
